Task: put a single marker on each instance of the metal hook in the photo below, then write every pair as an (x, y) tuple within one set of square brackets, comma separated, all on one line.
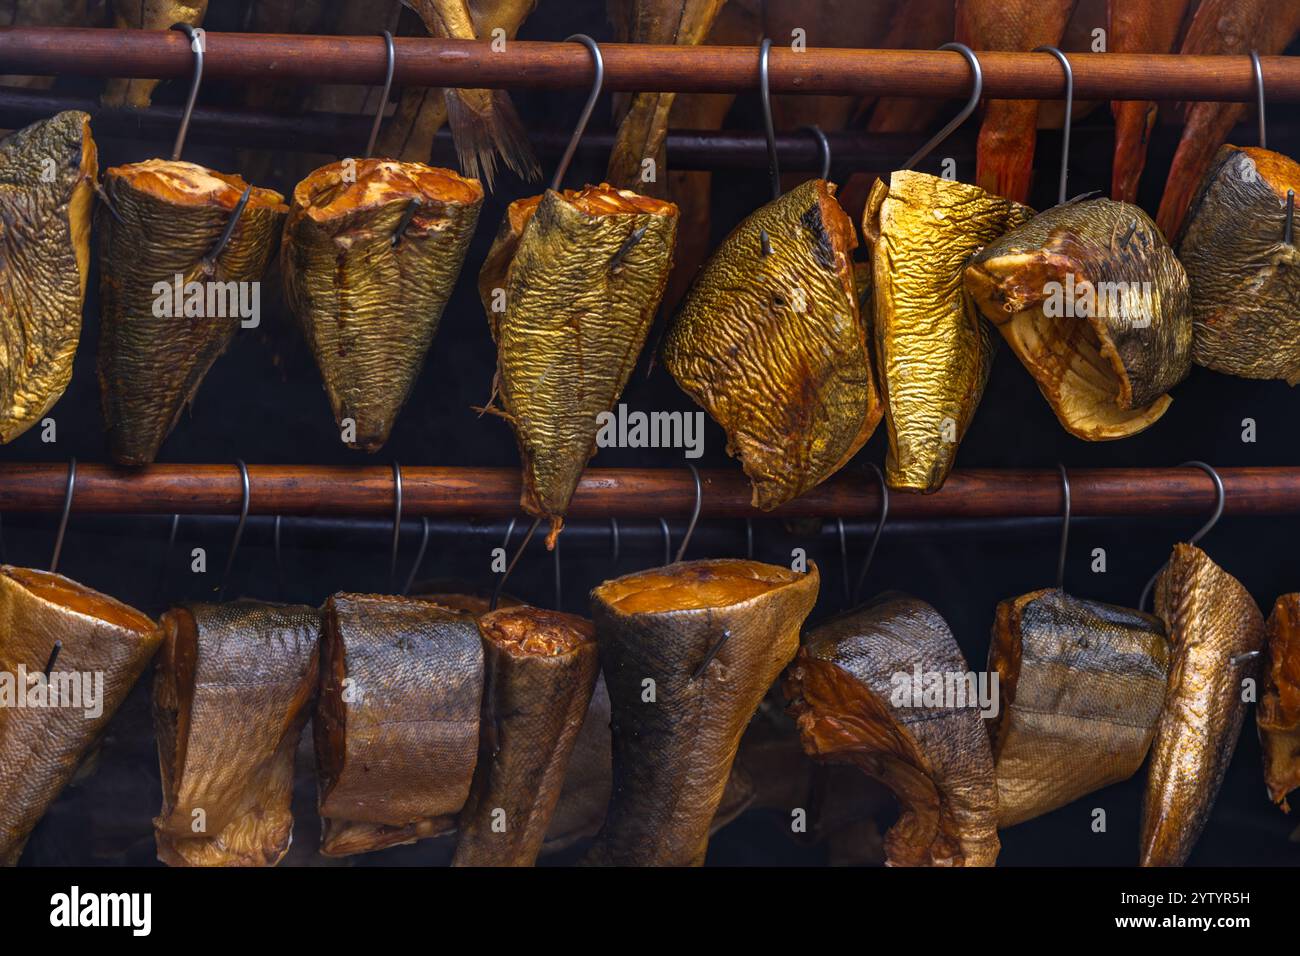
[(1288, 234), (880, 527), (419, 556), (749, 538), (408, 214), (1205, 528), (1258, 69), (695, 515), (501, 583), (559, 588), (668, 541), (769, 128), (239, 528), (209, 261), (844, 561), (712, 653), (597, 85), (383, 99), (67, 511), (1069, 115), (977, 74), (279, 564), (1065, 527), (824, 147), (166, 574), (397, 524), (614, 542), (54, 656), (196, 44)]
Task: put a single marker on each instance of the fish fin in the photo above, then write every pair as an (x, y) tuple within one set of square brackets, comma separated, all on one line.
[(483, 123), (557, 525)]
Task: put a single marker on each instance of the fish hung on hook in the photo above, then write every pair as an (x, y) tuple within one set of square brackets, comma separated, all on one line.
[(1278, 716), (137, 92)]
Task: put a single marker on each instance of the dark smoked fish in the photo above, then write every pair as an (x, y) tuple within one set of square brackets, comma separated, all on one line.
[(1278, 717)]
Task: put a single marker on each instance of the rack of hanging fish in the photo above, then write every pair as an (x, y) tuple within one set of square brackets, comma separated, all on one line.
[(458, 714)]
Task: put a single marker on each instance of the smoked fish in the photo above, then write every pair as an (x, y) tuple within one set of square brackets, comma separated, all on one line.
[(232, 692), (1278, 716), (103, 647), (368, 281), (712, 636), (147, 15), (397, 720), (771, 342), (47, 183), (1081, 685), (932, 352), (1210, 619), (843, 692), (540, 670), (570, 287), (48, 13), (1243, 274), (1095, 305), (155, 348)]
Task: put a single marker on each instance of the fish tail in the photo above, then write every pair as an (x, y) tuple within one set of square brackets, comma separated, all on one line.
[(1005, 156), (1134, 121), (1208, 125), (483, 124), (641, 136)]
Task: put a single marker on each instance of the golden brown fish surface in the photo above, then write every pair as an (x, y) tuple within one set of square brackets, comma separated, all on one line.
[(843, 692), (540, 671), (369, 306), (570, 287), (933, 354), (231, 694), (1210, 619), (104, 646), (397, 722), (147, 15), (1278, 716), (1095, 305), (688, 651), (1081, 685)]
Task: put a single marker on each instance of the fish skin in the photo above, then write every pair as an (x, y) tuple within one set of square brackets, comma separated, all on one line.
[(44, 260), (672, 759), (916, 25), (40, 748), (1081, 686), (581, 290), (146, 15), (1117, 389), (1209, 618), (1278, 716), (541, 669), (1244, 277), (370, 309), (932, 352), (936, 760), (395, 761), (791, 383), (232, 692)]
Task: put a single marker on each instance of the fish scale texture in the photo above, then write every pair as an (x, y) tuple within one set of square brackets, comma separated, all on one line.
[(1278, 717)]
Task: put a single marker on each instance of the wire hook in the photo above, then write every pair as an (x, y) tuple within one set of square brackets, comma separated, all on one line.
[(383, 99), (823, 146), (880, 527), (1258, 69), (597, 85), (1205, 528), (844, 560), (695, 515), (279, 564), (559, 586), (196, 38), (1069, 115), (769, 128), (668, 541), (613, 542), (63, 519), (501, 583), (419, 556), (239, 528), (397, 524), (1065, 527), (977, 75)]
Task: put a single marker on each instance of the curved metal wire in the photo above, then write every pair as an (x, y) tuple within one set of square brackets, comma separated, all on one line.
[(599, 62), (1258, 69), (383, 99), (977, 75), (695, 515), (880, 527), (1069, 116), (613, 542), (823, 146), (63, 518), (397, 524), (668, 541), (769, 128), (419, 556), (501, 582), (196, 44), (844, 561), (1065, 528), (559, 584), (239, 528), (1204, 530), (279, 562)]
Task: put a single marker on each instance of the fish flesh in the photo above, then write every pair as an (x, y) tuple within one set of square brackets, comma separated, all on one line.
[(933, 753), (1080, 686), (371, 253), (916, 25), (1096, 306), (1243, 274), (570, 287), (397, 722), (41, 745), (770, 341), (137, 93), (166, 303), (540, 672), (1278, 716), (47, 183), (1211, 620), (933, 354), (705, 640), (232, 692)]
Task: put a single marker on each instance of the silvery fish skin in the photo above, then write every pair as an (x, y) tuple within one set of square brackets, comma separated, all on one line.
[(1278, 716), (147, 15)]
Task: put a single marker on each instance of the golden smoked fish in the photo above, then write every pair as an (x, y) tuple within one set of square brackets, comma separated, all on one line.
[(147, 15), (169, 309), (232, 692), (103, 647), (933, 354), (844, 694), (397, 722), (1244, 275), (1095, 305), (770, 341), (540, 671), (1210, 619), (570, 287), (372, 250), (1080, 688), (1278, 716), (47, 182), (688, 651)]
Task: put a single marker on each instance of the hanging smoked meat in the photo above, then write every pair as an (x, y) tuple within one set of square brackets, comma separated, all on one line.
[(1278, 717), (137, 93)]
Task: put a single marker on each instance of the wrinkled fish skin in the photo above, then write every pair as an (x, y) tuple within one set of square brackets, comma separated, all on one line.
[(232, 692), (774, 347), (397, 724), (147, 15), (1081, 686), (44, 258), (672, 757), (369, 309), (935, 759), (933, 354), (1278, 716), (40, 747), (1244, 276), (1210, 618)]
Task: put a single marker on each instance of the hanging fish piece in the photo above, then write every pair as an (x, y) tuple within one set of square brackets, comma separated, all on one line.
[(1278, 716), (712, 636), (49, 624), (1095, 305), (933, 354), (47, 183), (147, 15), (1211, 621), (372, 250), (232, 692)]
